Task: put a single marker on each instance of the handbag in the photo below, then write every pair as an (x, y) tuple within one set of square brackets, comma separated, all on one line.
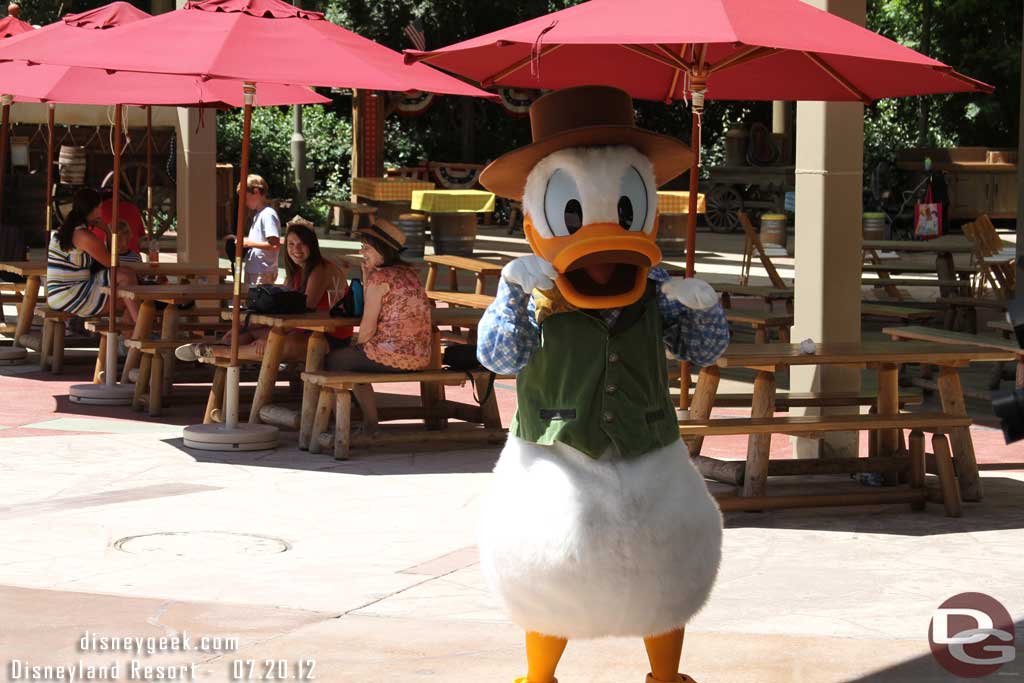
[(463, 357), (274, 299), (928, 216), (351, 303)]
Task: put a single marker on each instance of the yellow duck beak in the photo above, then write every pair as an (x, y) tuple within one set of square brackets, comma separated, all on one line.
[(601, 265)]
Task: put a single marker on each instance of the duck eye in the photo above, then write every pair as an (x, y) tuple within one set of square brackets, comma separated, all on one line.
[(632, 200), (573, 215), (625, 212), (563, 208)]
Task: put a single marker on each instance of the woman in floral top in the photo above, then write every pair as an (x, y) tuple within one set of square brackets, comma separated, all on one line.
[(394, 334)]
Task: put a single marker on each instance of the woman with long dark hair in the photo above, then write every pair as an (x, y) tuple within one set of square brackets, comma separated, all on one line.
[(77, 262)]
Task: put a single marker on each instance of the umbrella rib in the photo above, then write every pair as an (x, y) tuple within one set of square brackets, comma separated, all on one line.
[(974, 83), (743, 56), (838, 78), (517, 65), (675, 72), (671, 62)]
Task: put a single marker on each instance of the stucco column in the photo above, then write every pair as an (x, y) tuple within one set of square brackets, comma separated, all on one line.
[(197, 184), (829, 168)]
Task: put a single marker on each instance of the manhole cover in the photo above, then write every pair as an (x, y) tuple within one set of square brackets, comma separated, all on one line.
[(201, 544)]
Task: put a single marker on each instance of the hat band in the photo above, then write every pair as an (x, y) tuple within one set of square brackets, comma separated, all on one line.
[(385, 237)]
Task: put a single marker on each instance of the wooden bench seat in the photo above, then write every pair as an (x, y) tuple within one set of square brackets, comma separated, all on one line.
[(912, 462), (911, 282), (911, 267), (785, 401), (906, 313), (462, 299), (336, 394), (817, 424), (970, 301), (762, 322)]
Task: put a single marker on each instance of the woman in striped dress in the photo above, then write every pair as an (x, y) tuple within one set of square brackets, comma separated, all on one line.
[(77, 262)]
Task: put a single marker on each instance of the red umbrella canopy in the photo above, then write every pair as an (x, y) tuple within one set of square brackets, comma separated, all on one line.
[(12, 26), (76, 85), (253, 40), (743, 49)]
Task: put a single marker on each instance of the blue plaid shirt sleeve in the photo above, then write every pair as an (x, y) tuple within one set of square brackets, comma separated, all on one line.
[(508, 333), (699, 337)]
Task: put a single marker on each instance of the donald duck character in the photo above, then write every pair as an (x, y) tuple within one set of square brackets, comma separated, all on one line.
[(597, 523)]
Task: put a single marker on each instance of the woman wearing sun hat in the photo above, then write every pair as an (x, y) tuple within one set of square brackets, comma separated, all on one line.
[(394, 334)]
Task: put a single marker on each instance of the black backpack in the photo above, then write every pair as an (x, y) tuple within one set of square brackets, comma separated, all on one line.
[(275, 299)]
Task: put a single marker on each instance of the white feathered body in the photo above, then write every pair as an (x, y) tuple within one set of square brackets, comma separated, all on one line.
[(579, 547)]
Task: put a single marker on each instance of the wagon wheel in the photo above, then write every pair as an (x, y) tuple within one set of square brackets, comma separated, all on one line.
[(724, 205), (133, 189)]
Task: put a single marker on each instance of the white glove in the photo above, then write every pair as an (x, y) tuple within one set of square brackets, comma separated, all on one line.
[(691, 292), (530, 272)]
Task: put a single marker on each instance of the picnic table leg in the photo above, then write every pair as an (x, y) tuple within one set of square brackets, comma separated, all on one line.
[(168, 332), (323, 414), (268, 374), (888, 404), (431, 393), (27, 309), (316, 351), (684, 385), (755, 477), (156, 387), (57, 347), (46, 344), (343, 423), (951, 394), (431, 277), (216, 399), (143, 328), (142, 381), (703, 402)]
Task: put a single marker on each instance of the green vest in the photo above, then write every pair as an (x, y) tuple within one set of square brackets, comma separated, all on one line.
[(589, 386)]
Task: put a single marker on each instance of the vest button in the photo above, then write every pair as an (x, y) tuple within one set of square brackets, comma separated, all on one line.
[(613, 357), (611, 389), (608, 417)]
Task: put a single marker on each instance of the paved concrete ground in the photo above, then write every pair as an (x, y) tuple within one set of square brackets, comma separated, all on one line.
[(368, 567)]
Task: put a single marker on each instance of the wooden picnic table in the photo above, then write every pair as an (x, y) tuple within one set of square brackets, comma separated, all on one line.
[(884, 357), (480, 268), (176, 270), (147, 296), (320, 323), (33, 272), (391, 196), (453, 217), (944, 249)]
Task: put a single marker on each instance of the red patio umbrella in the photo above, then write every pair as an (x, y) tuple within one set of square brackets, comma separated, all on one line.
[(719, 49), (80, 85), (251, 40), (11, 25)]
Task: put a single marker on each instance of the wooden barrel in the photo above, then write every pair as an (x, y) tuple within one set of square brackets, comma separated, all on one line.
[(773, 229), (671, 238), (71, 163), (414, 225), (454, 234), (874, 225)]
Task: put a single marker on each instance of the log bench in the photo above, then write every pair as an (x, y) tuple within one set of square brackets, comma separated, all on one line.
[(816, 399), (461, 299), (912, 462), (907, 314), (761, 322), (335, 393)]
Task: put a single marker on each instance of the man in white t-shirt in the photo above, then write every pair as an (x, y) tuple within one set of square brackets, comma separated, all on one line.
[(264, 238)]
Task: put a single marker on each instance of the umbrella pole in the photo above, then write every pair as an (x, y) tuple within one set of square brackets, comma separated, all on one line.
[(691, 228), (153, 249), (111, 362), (232, 436), (51, 107), (5, 121), (231, 391)]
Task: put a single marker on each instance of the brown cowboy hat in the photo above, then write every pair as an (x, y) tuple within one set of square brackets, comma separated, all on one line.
[(387, 232), (584, 116)]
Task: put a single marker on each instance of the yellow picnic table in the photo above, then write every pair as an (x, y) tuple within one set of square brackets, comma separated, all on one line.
[(391, 196), (452, 201)]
